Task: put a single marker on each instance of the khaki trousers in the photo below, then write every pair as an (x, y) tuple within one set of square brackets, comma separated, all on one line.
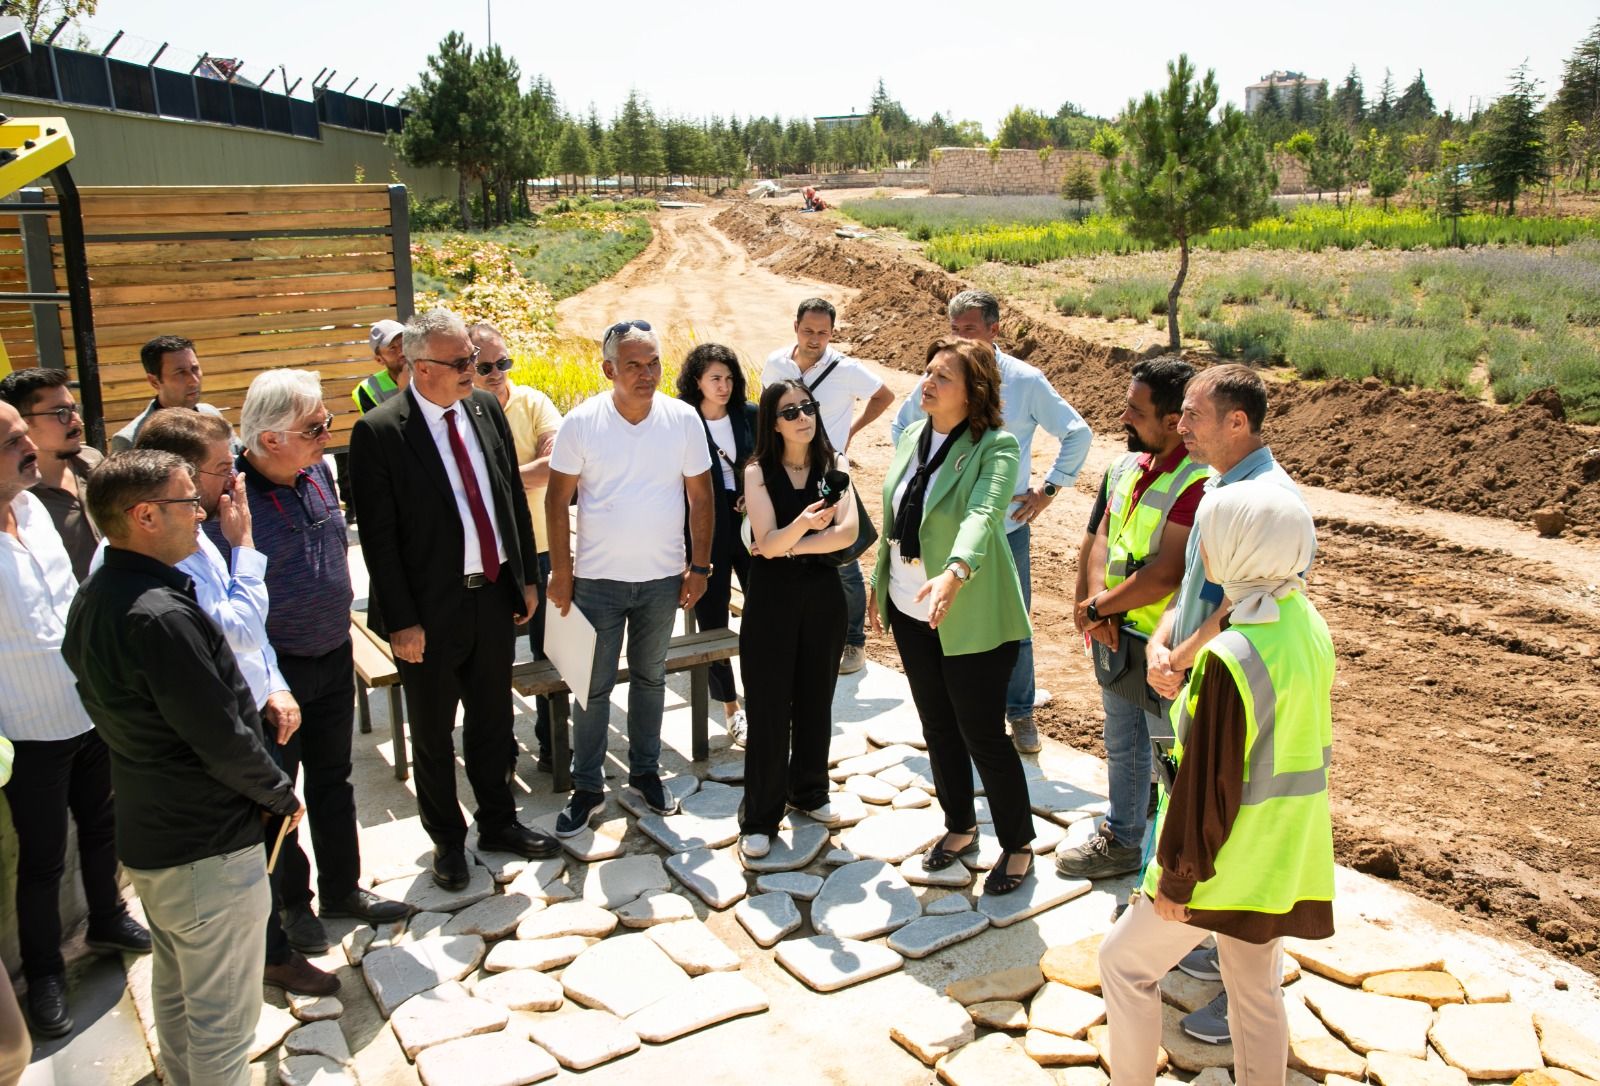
[(1142, 948)]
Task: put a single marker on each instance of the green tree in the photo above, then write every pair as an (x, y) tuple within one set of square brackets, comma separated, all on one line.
[(1078, 184), (496, 105), (1577, 103), (441, 127), (1184, 173), (1024, 127), (1513, 143), (1383, 108), (1415, 105), (1107, 142), (1331, 159), (637, 140), (1385, 173), (1349, 103), (1450, 188), (572, 157), (39, 17), (1072, 127), (969, 134)]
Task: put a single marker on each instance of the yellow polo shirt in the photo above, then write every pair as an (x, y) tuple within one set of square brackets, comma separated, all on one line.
[(532, 415)]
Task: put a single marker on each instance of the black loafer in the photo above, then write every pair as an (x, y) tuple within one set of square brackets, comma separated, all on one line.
[(519, 840), (365, 905), (450, 870), (47, 1006), (123, 933)]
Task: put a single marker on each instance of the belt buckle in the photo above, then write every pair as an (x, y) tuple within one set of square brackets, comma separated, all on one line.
[(474, 580)]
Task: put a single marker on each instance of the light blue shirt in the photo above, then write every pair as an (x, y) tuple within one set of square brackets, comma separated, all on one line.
[(1197, 597), (237, 602), (1027, 402)]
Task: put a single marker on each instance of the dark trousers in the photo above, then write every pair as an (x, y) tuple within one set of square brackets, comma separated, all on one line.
[(790, 641), (49, 779), (466, 662), (728, 557), (962, 703), (541, 703)]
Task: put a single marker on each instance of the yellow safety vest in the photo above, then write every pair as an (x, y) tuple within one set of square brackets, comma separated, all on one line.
[(1133, 533), (1280, 850)]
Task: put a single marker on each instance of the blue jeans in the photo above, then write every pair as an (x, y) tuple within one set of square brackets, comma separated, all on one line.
[(1019, 692), (647, 609), (855, 604), (1127, 737)]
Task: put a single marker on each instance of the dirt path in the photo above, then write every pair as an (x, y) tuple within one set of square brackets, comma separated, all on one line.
[(1469, 648)]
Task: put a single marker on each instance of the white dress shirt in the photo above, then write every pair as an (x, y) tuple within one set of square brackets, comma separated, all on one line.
[(471, 559), (38, 695)]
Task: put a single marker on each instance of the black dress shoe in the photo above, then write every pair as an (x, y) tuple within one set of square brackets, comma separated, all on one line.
[(300, 977), (365, 905), (520, 840), (304, 931), (47, 1005), (123, 933), (450, 868)]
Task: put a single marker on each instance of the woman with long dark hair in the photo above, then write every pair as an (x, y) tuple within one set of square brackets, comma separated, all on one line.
[(792, 633), (712, 382)]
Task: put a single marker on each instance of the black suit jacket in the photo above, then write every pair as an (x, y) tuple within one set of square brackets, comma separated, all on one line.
[(411, 533), (744, 443)]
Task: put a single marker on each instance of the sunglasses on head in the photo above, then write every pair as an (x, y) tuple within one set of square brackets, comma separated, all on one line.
[(460, 365), (621, 328), (795, 410), (486, 368)]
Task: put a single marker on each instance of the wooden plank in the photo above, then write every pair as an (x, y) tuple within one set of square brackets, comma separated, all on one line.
[(257, 270), (97, 203), (330, 338), (218, 327), (187, 313), (240, 288), (372, 665), (98, 226), (89, 191), (684, 652), (193, 252), (128, 383)]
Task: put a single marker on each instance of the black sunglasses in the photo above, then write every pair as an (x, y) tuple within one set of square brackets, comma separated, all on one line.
[(486, 368), (316, 429), (63, 414), (458, 364), (621, 328), (795, 410)]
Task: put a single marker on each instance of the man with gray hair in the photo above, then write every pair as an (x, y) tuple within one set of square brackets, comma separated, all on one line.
[(1028, 402), (630, 456), (448, 543)]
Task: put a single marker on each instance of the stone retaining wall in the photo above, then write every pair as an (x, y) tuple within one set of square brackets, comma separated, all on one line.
[(1017, 172)]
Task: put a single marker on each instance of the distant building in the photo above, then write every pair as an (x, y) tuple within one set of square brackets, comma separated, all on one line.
[(1284, 81), (842, 120)]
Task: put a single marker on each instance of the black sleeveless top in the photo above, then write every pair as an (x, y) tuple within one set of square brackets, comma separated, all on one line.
[(789, 502)]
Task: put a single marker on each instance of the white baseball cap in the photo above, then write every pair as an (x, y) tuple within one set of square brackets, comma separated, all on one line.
[(383, 333)]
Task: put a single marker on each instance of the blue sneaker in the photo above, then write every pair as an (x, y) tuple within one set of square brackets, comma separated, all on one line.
[(1201, 963), (1209, 1023), (580, 809)]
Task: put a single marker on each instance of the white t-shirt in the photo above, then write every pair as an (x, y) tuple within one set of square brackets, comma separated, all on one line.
[(630, 485), (906, 578), (722, 433), (850, 381)]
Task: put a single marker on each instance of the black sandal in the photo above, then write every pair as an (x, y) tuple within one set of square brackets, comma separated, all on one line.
[(938, 857), (1000, 880)]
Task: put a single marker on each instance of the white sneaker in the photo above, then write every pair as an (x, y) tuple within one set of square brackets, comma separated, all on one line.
[(738, 728), (755, 845), (827, 814)]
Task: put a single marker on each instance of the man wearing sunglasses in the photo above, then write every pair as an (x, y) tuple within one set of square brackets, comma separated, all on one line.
[(44, 400), (448, 544)]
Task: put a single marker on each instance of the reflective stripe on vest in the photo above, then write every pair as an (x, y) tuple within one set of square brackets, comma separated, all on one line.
[(378, 387), (1146, 520)]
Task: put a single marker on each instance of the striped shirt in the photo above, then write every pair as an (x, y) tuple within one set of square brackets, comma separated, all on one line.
[(38, 695)]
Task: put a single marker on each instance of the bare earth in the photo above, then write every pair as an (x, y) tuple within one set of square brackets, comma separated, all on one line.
[(1466, 760)]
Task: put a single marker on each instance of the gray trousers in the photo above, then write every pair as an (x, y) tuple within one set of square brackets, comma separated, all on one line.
[(208, 923)]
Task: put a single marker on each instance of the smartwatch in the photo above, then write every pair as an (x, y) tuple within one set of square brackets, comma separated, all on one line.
[(1094, 612), (704, 571), (1051, 490)]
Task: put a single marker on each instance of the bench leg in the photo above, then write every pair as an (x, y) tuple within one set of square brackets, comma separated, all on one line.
[(397, 723), (363, 707), (560, 744), (700, 711)]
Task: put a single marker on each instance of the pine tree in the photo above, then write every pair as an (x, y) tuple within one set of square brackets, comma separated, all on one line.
[(572, 157), (440, 129), (1383, 109), (1416, 104), (637, 141), (1078, 184), (1513, 144), (1348, 101)]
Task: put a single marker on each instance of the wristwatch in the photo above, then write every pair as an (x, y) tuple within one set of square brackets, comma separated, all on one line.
[(1050, 490), (959, 569), (704, 571), (1094, 612)]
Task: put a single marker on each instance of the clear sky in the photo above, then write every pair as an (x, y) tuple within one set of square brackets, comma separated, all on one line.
[(966, 60)]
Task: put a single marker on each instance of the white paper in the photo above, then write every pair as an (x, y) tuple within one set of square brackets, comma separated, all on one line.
[(569, 643)]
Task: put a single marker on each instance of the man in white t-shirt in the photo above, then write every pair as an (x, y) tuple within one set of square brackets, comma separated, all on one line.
[(631, 456), (837, 381)]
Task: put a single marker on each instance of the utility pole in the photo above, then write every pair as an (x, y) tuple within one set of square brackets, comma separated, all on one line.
[(489, 7)]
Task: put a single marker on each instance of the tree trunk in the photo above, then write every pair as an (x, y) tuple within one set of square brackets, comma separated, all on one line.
[(1173, 342), (463, 204), (483, 185)]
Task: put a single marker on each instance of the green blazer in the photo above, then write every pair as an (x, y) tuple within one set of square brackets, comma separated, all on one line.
[(963, 518)]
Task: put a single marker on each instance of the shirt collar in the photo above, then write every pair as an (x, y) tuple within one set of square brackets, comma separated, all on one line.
[(1168, 463), (433, 413), (134, 562), (1248, 468)]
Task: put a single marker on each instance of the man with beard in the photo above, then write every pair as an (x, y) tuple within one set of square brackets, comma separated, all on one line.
[(43, 399), (1138, 563)]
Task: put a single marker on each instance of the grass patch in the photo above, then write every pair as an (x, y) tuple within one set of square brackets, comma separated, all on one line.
[(1424, 357), (1521, 364), (937, 217), (1310, 293), (1137, 297), (567, 369), (1259, 335)]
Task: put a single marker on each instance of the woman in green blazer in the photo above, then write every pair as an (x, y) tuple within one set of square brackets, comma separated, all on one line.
[(946, 586)]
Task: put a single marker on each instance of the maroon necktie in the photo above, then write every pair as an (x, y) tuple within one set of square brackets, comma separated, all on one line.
[(480, 515)]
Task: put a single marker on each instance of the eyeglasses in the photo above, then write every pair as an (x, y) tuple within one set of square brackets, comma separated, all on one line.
[(486, 368), (795, 410), (458, 364), (63, 415), (230, 474), (315, 430), (621, 328), (312, 518), (195, 502)]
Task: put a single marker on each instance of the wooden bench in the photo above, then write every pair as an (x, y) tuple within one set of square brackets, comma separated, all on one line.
[(691, 652), (375, 668)]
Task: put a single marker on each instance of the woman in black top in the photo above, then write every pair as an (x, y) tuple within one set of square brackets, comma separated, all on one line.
[(792, 633), (712, 381)]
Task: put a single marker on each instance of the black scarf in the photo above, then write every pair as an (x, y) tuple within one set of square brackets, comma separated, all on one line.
[(908, 521)]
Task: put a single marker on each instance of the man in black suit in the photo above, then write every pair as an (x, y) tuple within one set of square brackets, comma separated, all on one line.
[(448, 543)]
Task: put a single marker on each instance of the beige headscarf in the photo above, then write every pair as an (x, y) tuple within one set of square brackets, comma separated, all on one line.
[(1258, 538)]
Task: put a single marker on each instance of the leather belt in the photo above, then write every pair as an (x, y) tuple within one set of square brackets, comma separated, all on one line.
[(474, 580)]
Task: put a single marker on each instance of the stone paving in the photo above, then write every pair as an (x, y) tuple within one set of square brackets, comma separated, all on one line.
[(651, 949)]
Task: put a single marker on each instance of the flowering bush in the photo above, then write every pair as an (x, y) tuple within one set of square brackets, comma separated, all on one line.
[(482, 283)]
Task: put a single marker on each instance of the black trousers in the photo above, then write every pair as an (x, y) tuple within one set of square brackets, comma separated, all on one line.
[(541, 703), (962, 703), (728, 557), (325, 688), (466, 662), (49, 779), (790, 641)]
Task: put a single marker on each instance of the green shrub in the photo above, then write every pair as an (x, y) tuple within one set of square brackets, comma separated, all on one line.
[(1372, 297), (1260, 335), (1311, 294), (1245, 287), (1520, 364), (1424, 357), (432, 213), (1137, 297)]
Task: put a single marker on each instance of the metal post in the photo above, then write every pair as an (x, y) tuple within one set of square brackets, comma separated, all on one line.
[(76, 260), (35, 230), (400, 241)]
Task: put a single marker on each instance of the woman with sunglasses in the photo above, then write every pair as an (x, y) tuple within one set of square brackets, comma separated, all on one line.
[(792, 633), (712, 381), (948, 589)]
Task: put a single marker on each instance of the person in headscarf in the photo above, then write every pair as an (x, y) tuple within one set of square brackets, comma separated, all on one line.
[(1244, 840)]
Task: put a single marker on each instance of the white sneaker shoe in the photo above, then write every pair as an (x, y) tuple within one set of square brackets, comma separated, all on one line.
[(738, 728), (755, 845), (827, 814)]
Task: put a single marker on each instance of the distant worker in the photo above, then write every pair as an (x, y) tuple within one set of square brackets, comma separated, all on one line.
[(813, 202), (1153, 492), (1027, 402), (173, 370), (836, 381), (43, 398), (384, 339), (1244, 840)]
